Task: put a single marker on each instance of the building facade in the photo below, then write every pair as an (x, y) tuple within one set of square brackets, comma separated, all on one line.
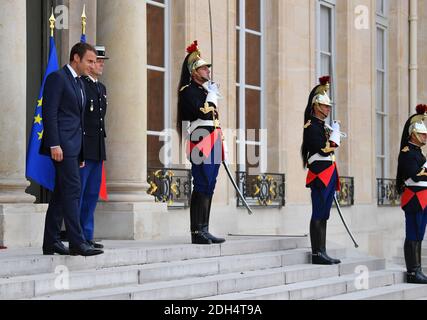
[(267, 56)]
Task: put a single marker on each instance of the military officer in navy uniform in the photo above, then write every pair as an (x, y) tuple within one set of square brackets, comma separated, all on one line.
[(94, 145), (319, 143), (411, 183), (197, 106)]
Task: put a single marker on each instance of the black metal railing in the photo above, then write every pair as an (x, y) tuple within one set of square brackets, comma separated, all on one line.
[(387, 193), (265, 190), (169, 185), (346, 194)]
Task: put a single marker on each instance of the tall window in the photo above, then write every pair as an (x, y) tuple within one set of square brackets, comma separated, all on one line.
[(381, 89), (326, 44), (158, 108), (250, 83)]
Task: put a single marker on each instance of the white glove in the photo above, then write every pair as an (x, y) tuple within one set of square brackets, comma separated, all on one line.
[(336, 133), (213, 92), (425, 165)]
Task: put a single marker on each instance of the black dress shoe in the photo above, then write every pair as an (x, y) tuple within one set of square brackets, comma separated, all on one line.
[(57, 247), (95, 245), (85, 250)]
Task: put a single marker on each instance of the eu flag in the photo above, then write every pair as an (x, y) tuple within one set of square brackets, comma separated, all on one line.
[(40, 167)]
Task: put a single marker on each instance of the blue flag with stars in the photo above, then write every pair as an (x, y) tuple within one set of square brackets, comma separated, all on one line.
[(39, 167)]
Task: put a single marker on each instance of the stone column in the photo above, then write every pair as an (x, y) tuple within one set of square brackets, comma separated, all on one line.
[(21, 222), (121, 27), (13, 75)]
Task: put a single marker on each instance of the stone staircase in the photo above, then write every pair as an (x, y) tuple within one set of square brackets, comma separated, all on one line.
[(242, 268)]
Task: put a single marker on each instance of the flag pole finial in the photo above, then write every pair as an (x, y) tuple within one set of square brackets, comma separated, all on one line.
[(52, 23), (84, 19)]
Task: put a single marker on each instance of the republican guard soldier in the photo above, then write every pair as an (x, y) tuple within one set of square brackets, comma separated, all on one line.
[(94, 145), (319, 144), (411, 183), (197, 106)]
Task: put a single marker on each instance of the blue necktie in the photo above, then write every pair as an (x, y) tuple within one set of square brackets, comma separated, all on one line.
[(81, 89)]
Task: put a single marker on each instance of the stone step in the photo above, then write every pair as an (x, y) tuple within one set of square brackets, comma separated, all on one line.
[(316, 289), (34, 285), (126, 253), (25, 287), (192, 288), (228, 264), (401, 291)]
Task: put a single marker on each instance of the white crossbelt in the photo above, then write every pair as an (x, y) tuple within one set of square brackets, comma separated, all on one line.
[(200, 123), (412, 183), (318, 157)]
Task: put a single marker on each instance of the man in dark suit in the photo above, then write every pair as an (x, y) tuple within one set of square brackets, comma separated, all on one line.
[(94, 145), (63, 107)]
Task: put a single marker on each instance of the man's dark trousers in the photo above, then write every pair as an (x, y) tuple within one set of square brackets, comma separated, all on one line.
[(65, 203)]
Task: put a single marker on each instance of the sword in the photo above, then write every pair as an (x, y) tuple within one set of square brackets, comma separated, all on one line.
[(211, 34), (343, 221), (233, 182)]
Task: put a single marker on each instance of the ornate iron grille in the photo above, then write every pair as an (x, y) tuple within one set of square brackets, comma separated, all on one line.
[(387, 193), (169, 185), (265, 190), (346, 195)]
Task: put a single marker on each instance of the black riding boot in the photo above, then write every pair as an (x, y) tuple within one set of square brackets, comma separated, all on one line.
[(198, 208), (323, 242), (414, 274), (206, 225), (318, 256)]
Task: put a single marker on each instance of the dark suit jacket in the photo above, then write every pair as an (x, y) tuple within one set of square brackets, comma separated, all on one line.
[(94, 120), (62, 113)]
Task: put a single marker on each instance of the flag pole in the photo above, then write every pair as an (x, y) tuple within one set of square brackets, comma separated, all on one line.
[(52, 23), (84, 20), (211, 33)]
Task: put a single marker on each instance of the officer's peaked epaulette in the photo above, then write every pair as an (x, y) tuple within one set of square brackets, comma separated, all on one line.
[(406, 149)]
